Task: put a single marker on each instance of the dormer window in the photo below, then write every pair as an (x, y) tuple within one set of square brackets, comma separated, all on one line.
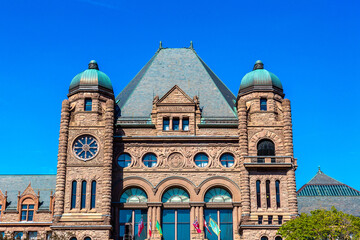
[(176, 124), (27, 211), (166, 124), (185, 124), (263, 104), (88, 104)]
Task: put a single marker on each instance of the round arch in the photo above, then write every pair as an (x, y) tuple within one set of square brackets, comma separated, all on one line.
[(265, 134), (175, 182), (134, 182), (220, 182)]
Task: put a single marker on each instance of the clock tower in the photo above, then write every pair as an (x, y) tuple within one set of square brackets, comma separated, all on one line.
[(83, 185)]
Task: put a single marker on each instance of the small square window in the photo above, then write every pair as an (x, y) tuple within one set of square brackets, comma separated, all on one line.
[(88, 104), (270, 219), (260, 219), (166, 124), (176, 122), (185, 124), (263, 104), (280, 220)]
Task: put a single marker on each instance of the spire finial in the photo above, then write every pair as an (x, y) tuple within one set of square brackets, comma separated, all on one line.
[(160, 45), (191, 45), (319, 171), (258, 65), (93, 65)]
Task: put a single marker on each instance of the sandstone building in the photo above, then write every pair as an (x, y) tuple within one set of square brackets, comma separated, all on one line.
[(173, 147)]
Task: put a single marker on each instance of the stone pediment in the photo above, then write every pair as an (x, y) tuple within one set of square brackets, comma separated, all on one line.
[(176, 96), (28, 191)]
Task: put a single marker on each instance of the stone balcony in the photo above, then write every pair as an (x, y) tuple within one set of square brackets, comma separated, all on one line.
[(269, 161)]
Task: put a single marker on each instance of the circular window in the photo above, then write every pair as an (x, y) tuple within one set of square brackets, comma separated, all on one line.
[(227, 160), (85, 147), (150, 160), (201, 160), (124, 160)]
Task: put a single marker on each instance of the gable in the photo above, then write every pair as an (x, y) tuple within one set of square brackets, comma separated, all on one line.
[(176, 96)]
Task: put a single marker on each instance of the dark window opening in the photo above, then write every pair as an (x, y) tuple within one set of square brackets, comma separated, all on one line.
[(263, 104), (265, 148), (27, 212), (83, 195), (176, 123), (73, 195), (264, 238), (150, 160), (268, 200), (260, 219), (93, 194), (270, 219), (277, 188), (227, 160), (166, 124), (278, 238), (88, 104), (185, 124), (280, 220), (258, 194)]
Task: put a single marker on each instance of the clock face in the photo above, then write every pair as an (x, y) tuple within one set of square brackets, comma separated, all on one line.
[(85, 147)]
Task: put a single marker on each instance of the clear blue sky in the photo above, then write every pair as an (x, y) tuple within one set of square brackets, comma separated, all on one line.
[(312, 46)]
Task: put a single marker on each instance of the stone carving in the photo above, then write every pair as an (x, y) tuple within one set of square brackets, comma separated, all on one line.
[(176, 160)]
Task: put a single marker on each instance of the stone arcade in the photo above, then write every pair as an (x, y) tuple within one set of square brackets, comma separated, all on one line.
[(174, 147)]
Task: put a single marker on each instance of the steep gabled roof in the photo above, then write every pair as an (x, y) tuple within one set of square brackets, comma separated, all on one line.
[(13, 184), (182, 67)]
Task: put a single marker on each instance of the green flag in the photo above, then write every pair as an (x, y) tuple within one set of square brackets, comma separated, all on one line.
[(214, 226), (158, 227)]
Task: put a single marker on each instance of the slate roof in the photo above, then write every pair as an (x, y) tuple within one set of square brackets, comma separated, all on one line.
[(323, 192), (15, 183), (182, 67)]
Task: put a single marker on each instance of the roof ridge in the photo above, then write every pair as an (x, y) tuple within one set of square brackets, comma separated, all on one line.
[(206, 67)]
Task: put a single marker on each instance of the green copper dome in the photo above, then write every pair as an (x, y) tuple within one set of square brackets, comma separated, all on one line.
[(91, 80), (260, 79)]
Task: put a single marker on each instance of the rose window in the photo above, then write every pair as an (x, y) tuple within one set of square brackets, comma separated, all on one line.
[(85, 147)]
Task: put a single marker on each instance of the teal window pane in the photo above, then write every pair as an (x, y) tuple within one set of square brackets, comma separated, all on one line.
[(150, 160), (264, 238), (138, 215), (23, 215), (263, 104), (18, 235), (73, 195), (83, 195), (227, 160), (32, 235), (185, 124), (201, 160), (93, 194), (87, 238), (213, 214), (124, 160), (183, 224), (30, 215), (125, 216), (88, 104), (168, 224), (31, 206), (166, 124), (277, 188), (176, 123), (133, 195)]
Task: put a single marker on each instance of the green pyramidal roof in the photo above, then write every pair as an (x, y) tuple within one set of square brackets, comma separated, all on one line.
[(181, 67), (323, 185)]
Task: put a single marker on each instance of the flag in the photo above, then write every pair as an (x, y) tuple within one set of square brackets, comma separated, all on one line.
[(214, 226), (140, 227), (206, 226), (150, 227), (196, 226), (158, 227)]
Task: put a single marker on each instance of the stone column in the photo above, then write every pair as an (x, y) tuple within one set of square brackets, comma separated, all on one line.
[(170, 123), (180, 123), (108, 157), (62, 156), (201, 218), (243, 144), (288, 145)]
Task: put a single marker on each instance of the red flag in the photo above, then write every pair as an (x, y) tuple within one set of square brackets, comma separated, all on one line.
[(140, 227), (150, 227), (205, 225), (196, 226)]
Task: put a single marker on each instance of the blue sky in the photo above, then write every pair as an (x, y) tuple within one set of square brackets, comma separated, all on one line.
[(312, 46)]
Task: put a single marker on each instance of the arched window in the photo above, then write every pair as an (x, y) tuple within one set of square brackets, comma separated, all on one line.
[(150, 160), (133, 195), (217, 195), (124, 160), (73, 238), (87, 238), (227, 160), (175, 195), (201, 160), (93, 195), (268, 200), (73, 195), (277, 188), (27, 210), (83, 195), (266, 147), (258, 194), (264, 238), (278, 238)]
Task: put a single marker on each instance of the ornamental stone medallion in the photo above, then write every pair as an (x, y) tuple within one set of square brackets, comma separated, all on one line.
[(176, 160)]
